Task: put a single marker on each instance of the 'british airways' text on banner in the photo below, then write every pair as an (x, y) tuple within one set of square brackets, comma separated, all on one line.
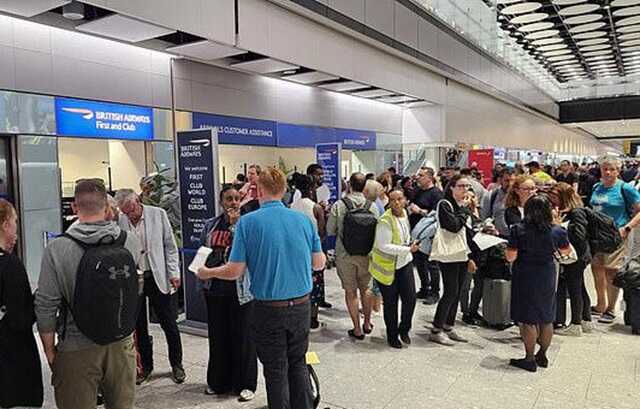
[(93, 119)]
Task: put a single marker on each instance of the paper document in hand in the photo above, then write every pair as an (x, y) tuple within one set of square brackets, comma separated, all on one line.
[(199, 259), (484, 241)]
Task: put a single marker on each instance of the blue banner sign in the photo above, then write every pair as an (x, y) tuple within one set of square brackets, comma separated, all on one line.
[(328, 155), (356, 140), (197, 183), (92, 119), (238, 131)]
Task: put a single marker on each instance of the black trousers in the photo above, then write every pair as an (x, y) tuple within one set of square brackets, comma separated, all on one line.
[(166, 313), (453, 276), (233, 364), (571, 281), (428, 272), (470, 306), (404, 289), (281, 335)]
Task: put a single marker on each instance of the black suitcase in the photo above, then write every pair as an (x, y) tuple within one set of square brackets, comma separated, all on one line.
[(632, 309)]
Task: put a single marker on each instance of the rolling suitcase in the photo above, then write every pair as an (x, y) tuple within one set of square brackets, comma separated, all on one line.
[(496, 303), (632, 310)]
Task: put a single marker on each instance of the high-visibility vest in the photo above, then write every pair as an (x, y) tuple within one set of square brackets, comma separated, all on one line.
[(382, 266)]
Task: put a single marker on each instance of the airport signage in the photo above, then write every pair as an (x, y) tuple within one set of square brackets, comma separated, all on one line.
[(328, 155), (93, 119), (238, 131)]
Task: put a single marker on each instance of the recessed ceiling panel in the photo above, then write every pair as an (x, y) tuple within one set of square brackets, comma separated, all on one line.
[(310, 77), (627, 11), (628, 21), (622, 3), (205, 50), (579, 9), (585, 18), (588, 35), (536, 26), (265, 66), (528, 18), (374, 93), (546, 41), (30, 8), (541, 34), (124, 28), (595, 48), (587, 27), (344, 86), (521, 8)]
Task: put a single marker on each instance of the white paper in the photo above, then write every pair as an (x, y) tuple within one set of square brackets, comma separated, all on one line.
[(200, 259), (484, 241)]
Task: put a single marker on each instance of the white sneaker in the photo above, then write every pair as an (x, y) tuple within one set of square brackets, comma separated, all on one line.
[(246, 395), (570, 331), (588, 327)]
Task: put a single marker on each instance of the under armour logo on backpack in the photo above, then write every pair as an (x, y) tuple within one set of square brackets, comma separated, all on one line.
[(119, 273)]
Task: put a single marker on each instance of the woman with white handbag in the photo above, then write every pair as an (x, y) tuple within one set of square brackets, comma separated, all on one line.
[(569, 203), (451, 250)]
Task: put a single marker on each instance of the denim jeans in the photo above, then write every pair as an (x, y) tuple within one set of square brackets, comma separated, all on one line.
[(281, 335)]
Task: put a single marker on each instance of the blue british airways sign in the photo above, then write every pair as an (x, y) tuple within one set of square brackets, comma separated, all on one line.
[(238, 131), (93, 119)]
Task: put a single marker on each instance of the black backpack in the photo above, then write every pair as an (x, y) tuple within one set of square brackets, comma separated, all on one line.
[(604, 236), (105, 300), (359, 229)]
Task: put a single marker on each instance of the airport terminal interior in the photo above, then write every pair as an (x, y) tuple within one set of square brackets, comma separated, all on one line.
[(496, 143)]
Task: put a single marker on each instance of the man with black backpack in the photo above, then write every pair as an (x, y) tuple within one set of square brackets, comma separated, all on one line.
[(353, 221), (88, 294)]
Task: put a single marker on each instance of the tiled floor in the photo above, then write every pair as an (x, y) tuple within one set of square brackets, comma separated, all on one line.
[(597, 371)]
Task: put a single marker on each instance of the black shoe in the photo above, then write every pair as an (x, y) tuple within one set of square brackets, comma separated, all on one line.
[(524, 364), (100, 400), (178, 374), (542, 360), (324, 304), (315, 324), (422, 294), (143, 377), (352, 334), (395, 343), (468, 319), (405, 338), (369, 331)]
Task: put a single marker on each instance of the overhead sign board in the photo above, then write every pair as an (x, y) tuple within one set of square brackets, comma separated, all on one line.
[(238, 131), (93, 119)]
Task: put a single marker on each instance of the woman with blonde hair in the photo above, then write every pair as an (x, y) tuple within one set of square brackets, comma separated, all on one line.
[(568, 204), (523, 188)]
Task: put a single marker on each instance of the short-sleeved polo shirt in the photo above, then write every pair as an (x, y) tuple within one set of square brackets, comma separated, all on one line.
[(276, 243)]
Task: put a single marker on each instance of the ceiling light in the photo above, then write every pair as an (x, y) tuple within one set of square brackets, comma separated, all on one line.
[(73, 11), (526, 7), (586, 18), (374, 93), (567, 2), (579, 9), (535, 26), (629, 29), (587, 27), (205, 50), (627, 11), (622, 3), (529, 18), (265, 66), (589, 35), (628, 21), (344, 86), (541, 34)]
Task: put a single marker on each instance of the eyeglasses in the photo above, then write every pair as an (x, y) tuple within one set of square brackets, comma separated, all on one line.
[(463, 186)]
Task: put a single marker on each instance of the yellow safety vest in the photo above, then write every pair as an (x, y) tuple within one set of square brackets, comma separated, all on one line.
[(382, 266)]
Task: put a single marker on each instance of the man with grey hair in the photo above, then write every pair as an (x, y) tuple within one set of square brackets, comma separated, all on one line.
[(159, 262)]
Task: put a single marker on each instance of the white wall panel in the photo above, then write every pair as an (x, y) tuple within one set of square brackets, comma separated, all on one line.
[(349, 58), (33, 37), (427, 38), (33, 71), (351, 8), (7, 68), (379, 14), (423, 125), (406, 26)]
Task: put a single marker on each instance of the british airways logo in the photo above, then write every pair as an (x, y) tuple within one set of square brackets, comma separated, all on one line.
[(86, 113)]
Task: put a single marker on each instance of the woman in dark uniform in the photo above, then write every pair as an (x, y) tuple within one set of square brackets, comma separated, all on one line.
[(531, 249), (20, 371), (233, 365)]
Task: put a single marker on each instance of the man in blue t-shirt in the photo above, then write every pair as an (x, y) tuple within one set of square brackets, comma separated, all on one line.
[(279, 248), (620, 201)]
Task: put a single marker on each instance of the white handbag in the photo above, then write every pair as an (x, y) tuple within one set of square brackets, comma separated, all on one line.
[(565, 259), (449, 247)]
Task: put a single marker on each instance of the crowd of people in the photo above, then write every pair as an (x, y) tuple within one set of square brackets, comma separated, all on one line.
[(263, 281)]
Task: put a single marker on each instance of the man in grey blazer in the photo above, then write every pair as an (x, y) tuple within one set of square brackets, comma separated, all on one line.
[(159, 262)]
